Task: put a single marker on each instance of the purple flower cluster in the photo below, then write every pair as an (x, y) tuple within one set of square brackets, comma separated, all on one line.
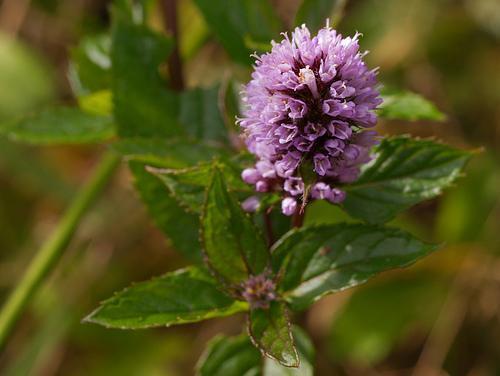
[(259, 291), (307, 108)]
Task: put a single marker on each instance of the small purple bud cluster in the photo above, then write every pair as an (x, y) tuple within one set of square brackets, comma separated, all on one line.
[(309, 103), (259, 291)]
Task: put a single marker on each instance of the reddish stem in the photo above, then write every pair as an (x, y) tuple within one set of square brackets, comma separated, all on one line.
[(169, 8), (269, 227), (298, 218)]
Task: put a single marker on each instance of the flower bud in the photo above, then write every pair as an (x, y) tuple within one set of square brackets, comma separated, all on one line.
[(288, 206), (251, 204)]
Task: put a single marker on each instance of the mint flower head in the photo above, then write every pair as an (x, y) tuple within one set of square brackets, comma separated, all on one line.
[(307, 109)]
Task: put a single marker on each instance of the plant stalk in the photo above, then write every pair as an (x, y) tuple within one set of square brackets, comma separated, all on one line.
[(298, 218), (51, 251), (169, 8), (269, 227)]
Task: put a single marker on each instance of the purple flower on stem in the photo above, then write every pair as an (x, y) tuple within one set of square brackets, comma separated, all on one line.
[(307, 106), (259, 291), (251, 204), (288, 206)]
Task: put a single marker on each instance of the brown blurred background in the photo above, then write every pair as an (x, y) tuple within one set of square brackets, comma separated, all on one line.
[(441, 316)]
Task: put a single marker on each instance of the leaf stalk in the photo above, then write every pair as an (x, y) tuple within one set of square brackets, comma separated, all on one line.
[(51, 251)]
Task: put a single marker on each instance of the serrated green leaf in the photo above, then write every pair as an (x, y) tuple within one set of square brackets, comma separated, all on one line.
[(179, 297), (408, 106), (270, 331), (305, 348), (186, 185), (314, 13), (60, 125), (200, 114), (179, 226), (230, 356), (235, 356), (235, 22), (172, 153), (315, 261), (143, 106), (405, 172), (90, 68), (189, 185), (234, 247)]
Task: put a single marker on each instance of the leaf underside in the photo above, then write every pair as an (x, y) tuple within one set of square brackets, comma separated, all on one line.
[(233, 245), (270, 331), (179, 226), (189, 185), (237, 356)]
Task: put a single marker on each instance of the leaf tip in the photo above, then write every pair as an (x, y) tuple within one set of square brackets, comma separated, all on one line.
[(90, 318)]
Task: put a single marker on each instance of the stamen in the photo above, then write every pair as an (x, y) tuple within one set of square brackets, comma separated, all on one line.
[(306, 76)]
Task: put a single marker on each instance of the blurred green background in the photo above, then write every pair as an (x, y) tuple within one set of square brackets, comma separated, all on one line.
[(441, 316)]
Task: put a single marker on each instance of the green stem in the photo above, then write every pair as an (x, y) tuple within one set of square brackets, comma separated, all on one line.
[(52, 249)]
